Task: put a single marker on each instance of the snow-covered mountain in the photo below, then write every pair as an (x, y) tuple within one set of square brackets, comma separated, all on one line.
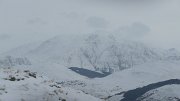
[(130, 64), (99, 52)]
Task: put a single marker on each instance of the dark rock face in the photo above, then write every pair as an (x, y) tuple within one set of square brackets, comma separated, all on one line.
[(133, 95), (147, 97), (17, 77), (32, 74), (72, 83), (136, 94), (88, 73)]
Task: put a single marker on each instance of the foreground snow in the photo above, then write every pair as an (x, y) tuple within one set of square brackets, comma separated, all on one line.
[(128, 79), (72, 86), (166, 93), (17, 85)]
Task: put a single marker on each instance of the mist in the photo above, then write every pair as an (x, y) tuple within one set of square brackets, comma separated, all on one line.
[(154, 22)]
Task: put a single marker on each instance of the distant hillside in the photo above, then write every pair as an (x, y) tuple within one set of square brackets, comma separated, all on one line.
[(107, 53)]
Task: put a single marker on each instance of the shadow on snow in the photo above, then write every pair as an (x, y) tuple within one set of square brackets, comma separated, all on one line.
[(89, 73)]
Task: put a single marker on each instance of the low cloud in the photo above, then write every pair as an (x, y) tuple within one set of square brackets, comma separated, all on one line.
[(4, 36), (36, 20), (70, 15), (97, 22), (135, 30)]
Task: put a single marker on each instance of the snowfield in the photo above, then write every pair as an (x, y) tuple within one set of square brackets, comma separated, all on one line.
[(18, 85), (128, 79)]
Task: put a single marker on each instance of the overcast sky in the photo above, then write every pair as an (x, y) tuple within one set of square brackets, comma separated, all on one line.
[(154, 21)]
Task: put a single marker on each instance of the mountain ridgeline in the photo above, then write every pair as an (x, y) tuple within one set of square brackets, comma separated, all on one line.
[(10, 61), (106, 53)]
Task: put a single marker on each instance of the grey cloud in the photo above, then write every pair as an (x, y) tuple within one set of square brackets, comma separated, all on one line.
[(127, 2), (70, 15), (97, 22), (4, 36), (137, 29), (36, 20)]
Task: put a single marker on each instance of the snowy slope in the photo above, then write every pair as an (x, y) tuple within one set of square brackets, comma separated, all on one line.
[(57, 54), (128, 79), (18, 85), (165, 93), (93, 50), (53, 57)]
